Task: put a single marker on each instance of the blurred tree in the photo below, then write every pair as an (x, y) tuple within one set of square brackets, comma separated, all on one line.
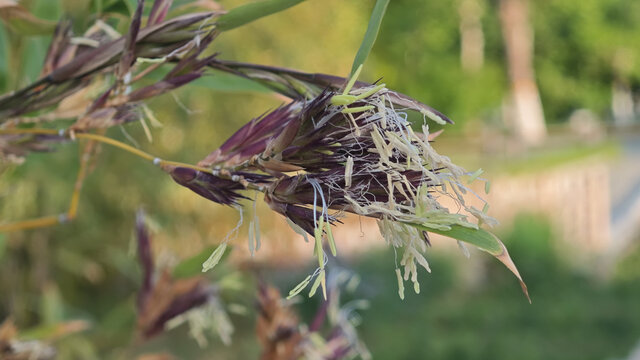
[(583, 48), (526, 114), (471, 35)]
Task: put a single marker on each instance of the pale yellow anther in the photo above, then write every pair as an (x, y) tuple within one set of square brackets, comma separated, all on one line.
[(357, 109)]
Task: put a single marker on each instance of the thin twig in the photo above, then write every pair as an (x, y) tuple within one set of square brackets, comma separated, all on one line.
[(82, 173), (75, 197), (32, 223)]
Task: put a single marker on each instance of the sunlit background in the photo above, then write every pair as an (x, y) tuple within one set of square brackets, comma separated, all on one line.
[(545, 96)]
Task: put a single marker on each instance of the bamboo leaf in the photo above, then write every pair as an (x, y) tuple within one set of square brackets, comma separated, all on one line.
[(253, 11), (371, 34), (484, 241)]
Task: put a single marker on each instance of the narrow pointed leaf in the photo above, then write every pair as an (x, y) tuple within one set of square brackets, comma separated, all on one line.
[(484, 241), (371, 34)]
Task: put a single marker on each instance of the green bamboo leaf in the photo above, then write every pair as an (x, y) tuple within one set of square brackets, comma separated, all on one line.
[(371, 34), (484, 241), (253, 11)]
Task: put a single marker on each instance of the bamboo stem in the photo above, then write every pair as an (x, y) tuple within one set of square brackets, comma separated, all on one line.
[(104, 140), (82, 173), (179, 164), (116, 143), (32, 223), (75, 196)]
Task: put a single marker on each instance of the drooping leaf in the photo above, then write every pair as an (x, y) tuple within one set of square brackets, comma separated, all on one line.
[(253, 11), (371, 34), (484, 241)]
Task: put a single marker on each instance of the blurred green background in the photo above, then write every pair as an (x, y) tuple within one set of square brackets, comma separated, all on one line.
[(569, 207)]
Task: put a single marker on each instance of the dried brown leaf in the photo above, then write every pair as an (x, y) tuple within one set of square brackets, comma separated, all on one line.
[(277, 327), (169, 299)]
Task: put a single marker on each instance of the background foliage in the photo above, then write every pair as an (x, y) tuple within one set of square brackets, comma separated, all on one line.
[(83, 270)]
